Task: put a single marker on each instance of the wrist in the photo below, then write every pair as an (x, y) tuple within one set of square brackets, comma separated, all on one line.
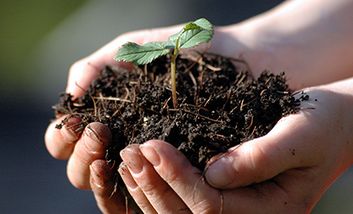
[(303, 46), (262, 45)]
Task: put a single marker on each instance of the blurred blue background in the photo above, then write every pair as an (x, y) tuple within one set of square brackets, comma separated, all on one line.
[(39, 40)]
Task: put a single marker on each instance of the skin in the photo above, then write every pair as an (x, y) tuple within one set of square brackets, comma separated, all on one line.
[(286, 171)]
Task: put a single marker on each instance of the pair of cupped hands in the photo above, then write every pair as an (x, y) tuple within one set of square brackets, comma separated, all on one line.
[(285, 171)]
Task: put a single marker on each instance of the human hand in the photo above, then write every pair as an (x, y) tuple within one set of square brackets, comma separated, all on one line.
[(285, 171), (61, 143), (233, 41), (84, 147)]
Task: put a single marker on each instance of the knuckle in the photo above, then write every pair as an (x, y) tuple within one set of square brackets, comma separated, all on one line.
[(173, 173), (148, 188), (87, 153), (144, 206), (262, 164), (171, 176), (259, 161), (259, 157)]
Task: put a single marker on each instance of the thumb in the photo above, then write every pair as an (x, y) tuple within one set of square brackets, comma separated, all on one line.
[(255, 161)]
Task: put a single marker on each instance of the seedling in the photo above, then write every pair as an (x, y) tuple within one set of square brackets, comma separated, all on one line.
[(192, 34)]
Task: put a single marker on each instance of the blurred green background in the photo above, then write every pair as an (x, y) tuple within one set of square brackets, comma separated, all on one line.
[(24, 24), (39, 40)]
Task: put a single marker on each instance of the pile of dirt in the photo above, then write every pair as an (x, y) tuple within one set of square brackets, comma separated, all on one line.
[(220, 105)]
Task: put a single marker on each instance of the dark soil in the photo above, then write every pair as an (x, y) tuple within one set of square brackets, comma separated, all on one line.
[(220, 105)]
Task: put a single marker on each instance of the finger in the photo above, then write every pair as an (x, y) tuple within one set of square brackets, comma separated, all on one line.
[(81, 75), (182, 177), (267, 197), (285, 147), (61, 142), (102, 183), (91, 146), (134, 190), (157, 192), (84, 71)]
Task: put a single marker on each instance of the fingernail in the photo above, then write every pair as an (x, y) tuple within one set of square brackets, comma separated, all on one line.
[(218, 173), (74, 124), (96, 178), (150, 154), (124, 173), (72, 129), (91, 140), (131, 157)]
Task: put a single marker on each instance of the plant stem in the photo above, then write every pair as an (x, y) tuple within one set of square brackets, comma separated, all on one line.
[(173, 72), (173, 79)]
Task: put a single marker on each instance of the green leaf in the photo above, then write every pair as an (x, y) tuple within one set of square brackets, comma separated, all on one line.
[(142, 54), (193, 33), (204, 23)]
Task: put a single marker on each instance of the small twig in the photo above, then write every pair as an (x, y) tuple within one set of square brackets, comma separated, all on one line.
[(113, 99), (173, 109), (78, 104), (233, 109), (166, 103), (240, 80), (241, 105), (262, 92), (251, 122), (227, 98), (102, 103), (145, 72), (283, 92), (212, 68), (193, 80), (127, 93), (94, 105), (207, 101), (200, 61), (252, 133)]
